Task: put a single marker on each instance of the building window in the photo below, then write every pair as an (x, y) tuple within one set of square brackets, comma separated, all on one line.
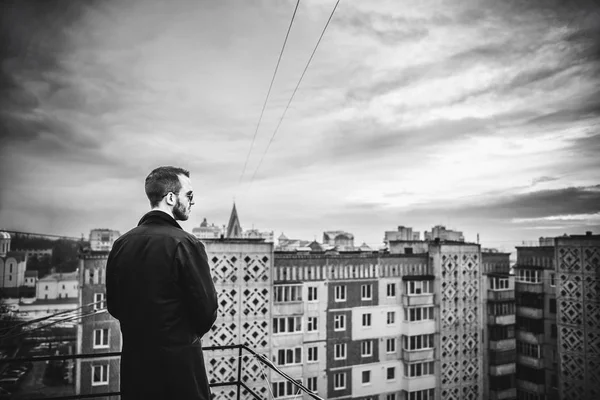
[(552, 280), (340, 293), (390, 396), (311, 383), (289, 356), (284, 389), (288, 293), (553, 331), (391, 317), (529, 350), (552, 306), (99, 375), (63, 287), (366, 292), (390, 373), (366, 320), (418, 342), (419, 287), (313, 354), (528, 275), (312, 324), (390, 345), (99, 301), (339, 351), (418, 369), (100, 338), (339, 381), (339, 322), (46, 288), (312, 293), (499, 283), (391, 290), (427, 394), (287, 325), (366, 377), (418, 313), (366, 348)]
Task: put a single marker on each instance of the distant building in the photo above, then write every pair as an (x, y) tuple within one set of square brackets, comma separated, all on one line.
[(31, 308), (31, 278), (286, 244), (267, 236), (340, 239), (12, 264), (206, 231), (403, 233), (58, 286), (38, 253), (103, 239), (440, 232)]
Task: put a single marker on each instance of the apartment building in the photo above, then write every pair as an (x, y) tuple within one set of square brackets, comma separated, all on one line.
[(499, 337), (577, 286)]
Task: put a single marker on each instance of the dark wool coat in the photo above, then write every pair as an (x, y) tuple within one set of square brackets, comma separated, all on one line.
[(159, 287)]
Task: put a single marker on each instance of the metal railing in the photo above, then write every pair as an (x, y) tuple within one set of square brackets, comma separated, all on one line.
[(238, 383)]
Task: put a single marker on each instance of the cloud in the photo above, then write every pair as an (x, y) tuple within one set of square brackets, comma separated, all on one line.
[(542, 179)]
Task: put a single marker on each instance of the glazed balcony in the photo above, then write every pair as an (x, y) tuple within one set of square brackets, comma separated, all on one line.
[(501, 319), (530, 361), (418, 355), (425, 299), (504, 369), (529, 287), (501, 295), (530, 337), (537, 388), (504, 344), (530, 312), (503, 394)]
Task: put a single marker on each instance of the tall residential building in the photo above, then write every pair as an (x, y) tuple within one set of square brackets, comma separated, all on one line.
[(578, 295), (535, 279), (499, 336)]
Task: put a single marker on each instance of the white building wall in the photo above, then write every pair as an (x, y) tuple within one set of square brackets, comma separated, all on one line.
[(379, 326), (383, 285), (67, 289), (46, 290), (379, 382), (12, 273)]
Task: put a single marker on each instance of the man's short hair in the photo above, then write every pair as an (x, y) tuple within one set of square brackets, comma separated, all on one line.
[(161, 181)]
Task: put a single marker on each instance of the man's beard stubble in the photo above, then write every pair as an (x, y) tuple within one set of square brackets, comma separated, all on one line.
[(179, 211)]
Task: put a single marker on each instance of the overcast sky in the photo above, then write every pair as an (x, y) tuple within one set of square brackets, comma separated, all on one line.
[(479, 115)]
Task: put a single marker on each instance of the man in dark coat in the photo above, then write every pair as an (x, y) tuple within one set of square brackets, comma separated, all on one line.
[(160, 289)]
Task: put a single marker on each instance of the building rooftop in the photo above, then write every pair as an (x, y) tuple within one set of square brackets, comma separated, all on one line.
[(67, 276)]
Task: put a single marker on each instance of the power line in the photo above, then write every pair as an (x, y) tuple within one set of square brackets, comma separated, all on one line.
[(269, 91), (294, 92)]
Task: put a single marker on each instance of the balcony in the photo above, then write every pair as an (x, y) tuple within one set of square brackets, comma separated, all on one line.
[(530, 312), (504, 344), (418, 299), (288, 308), (503, 394), (529, 287), (530, 361), (419, 383), (530, 337), (244, 355), (504, 369), (537, 388), (417, 355), (501, 295), (418, 327), (501, 319)]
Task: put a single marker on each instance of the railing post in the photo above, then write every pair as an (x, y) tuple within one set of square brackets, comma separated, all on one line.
[(239, 378)]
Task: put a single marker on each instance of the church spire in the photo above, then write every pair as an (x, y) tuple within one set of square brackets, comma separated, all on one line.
[(234, 229)]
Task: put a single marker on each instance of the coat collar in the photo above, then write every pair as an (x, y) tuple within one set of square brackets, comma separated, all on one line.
[(158, 217)]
